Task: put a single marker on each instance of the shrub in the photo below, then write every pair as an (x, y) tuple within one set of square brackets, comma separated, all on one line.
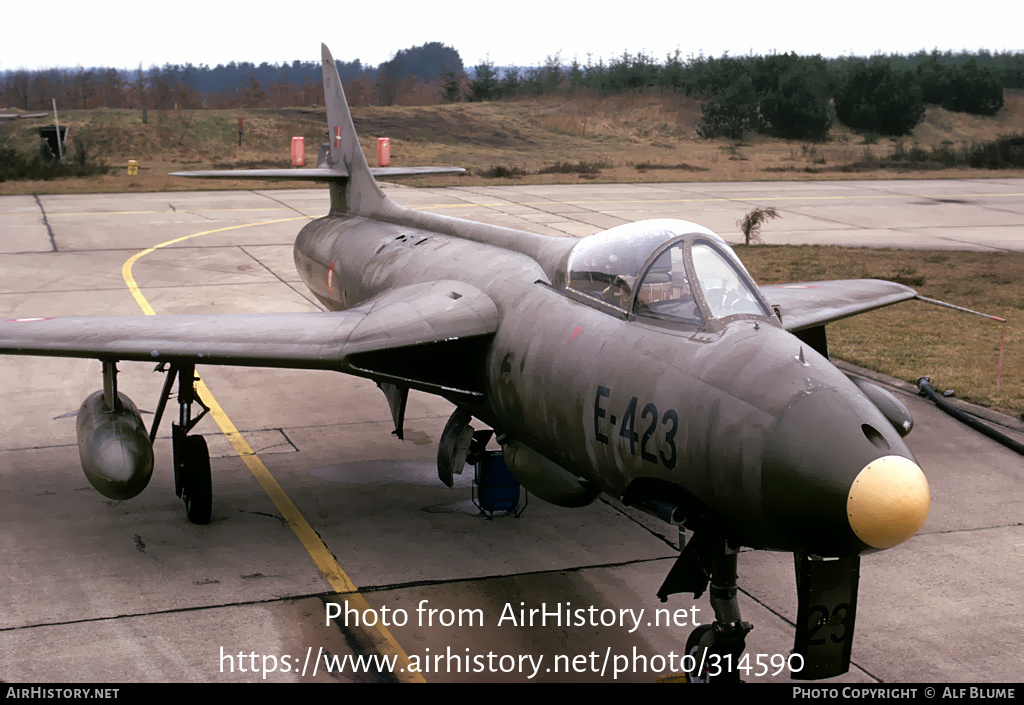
[(502, 171), (1004, 153), (973, 90), (797, 107), (16, 166), (731, 113), (579, 167), (750, 224), (873, 97)]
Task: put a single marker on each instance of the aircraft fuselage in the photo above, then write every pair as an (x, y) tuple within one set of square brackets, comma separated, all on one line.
[(703, 416)]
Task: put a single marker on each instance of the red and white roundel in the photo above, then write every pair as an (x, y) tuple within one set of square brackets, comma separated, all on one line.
[(337, 138), (330, 277)]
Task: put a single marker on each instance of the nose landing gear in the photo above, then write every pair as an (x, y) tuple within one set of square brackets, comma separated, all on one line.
[(715, 649)]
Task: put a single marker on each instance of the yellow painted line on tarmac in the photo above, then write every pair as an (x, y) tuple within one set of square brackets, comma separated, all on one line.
[(383, 641)]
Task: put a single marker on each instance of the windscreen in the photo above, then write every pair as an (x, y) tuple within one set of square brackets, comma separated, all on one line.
[(726, 293)]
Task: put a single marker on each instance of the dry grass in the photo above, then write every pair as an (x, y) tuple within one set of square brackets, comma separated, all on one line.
[(957, 350), (641, 137)]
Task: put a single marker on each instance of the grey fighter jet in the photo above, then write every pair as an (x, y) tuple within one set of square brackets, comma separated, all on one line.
[(642, 362)]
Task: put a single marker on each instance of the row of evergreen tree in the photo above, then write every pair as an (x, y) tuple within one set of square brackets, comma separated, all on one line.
[(782, 94)]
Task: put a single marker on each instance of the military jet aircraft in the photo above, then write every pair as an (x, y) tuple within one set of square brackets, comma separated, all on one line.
[(642, 362)]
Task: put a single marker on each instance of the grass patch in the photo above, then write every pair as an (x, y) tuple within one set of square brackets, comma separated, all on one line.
[(957, 350)]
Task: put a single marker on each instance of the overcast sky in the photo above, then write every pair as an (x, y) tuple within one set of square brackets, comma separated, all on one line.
[(522, 32)]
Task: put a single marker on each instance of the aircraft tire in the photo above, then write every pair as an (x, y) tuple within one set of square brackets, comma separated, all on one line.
[(197, 487), (693, 649)]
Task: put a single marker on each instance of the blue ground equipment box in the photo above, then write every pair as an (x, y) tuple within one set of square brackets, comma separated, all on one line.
[(494, 487)]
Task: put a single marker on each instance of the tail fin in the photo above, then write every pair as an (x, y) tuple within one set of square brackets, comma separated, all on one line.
[(352, 181), (360, 192)]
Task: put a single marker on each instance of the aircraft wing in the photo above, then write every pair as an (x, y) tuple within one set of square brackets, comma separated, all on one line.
[(369, 340), (809, 304)]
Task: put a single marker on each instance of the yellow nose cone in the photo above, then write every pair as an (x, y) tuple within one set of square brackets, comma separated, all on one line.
[(888, 502)]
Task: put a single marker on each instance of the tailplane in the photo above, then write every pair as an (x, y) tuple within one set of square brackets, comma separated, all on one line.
[(342, 164)]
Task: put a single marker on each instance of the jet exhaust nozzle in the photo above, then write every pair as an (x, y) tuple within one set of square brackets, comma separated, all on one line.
[(114, 447)]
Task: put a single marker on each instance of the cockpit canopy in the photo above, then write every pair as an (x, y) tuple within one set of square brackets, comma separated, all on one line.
[(668, 270)]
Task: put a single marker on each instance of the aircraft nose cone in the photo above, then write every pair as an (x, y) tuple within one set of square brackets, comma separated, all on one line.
[(888, 501), (836, 478)]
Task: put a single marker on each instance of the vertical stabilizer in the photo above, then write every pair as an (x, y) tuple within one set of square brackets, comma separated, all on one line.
[(360, 192)]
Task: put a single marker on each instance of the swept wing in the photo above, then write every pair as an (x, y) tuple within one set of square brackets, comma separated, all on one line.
[(810, 304), (367, 340)]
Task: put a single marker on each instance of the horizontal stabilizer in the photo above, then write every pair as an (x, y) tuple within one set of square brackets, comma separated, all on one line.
[(414, 170), (314, 174), (337, 173)]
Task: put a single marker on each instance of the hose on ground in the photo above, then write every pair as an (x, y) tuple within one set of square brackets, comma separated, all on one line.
[(924, 384)]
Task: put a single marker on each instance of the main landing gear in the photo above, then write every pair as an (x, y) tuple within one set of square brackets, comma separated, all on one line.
[(191, 457)]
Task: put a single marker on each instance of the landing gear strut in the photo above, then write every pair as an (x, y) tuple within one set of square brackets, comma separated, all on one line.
[(191, 457), (715, 648)]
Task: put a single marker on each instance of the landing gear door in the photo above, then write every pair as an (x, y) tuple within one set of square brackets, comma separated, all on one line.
[(827, 610), (454, 447)]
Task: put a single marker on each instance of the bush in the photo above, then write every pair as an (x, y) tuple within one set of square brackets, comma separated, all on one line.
[(731, 113), (502, 171), (875, 98), (15, 166), (797, 107), (750, 224), (973, 90), (1004, 153), (580, 167)]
